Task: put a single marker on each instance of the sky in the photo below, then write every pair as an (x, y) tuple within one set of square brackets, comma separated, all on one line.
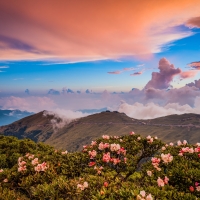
[(138, 57)]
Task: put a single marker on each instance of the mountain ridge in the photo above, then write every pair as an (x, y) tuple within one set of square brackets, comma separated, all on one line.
[(43, 127)]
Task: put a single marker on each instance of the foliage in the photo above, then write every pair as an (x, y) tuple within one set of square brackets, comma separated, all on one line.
[(112, 167)]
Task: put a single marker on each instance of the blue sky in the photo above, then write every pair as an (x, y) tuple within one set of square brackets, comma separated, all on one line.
[(102, 47)]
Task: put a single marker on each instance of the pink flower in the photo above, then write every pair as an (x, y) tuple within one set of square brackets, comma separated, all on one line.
[(22, 168), (1, 170), (166, 157), (143, 193), (149, 197), (5, 180), (132, 133), (148, 137), (92, 153), (160, 182), (125, 159), (149, 173), (179, 143), (20, 159), (82, 187), (156, 138), (91, 164), (85, 184), (198, 188), (93, 143), (191, 188), (106, 137), (139, 138), (115, 160), (41, 167), (31, 157), (101, 146), (166, 179), (64, 152), (171, 144), (106, 157), (163, 148), (185, 142), (105, 184), (35, 161), (197, 144), (114, 147), (150, 140)]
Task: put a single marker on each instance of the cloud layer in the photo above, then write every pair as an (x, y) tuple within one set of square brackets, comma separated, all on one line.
[(91, 30)]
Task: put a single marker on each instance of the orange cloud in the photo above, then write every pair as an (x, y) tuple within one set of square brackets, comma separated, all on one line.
[(90, 30)]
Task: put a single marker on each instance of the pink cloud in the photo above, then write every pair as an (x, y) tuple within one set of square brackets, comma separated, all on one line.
[(162, 79), (90, 30), (115, 72), (136, 73), (195, 65), (188, 74)]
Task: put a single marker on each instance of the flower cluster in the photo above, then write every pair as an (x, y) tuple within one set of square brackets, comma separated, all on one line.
[(151, 139), (166, 157), (179, 143), (162, 182), (103, 146), (41, 167), (98, 169), (144, 196), (106, 137), (197, 187), (82, 186), (21, 164), (155, 162)]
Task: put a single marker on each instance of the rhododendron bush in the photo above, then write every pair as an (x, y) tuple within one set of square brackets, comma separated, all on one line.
[(112, 167)]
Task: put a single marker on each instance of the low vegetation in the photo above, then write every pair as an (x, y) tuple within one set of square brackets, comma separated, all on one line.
[(112, 167)]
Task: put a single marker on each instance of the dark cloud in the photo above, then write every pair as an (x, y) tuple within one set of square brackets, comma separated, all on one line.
[(53, 92), (196, 84), (162, 79), (27, 91)]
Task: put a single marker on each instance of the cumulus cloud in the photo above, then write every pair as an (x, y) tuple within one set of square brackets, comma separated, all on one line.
[(29, 33), (162, 79), (152, 110)]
